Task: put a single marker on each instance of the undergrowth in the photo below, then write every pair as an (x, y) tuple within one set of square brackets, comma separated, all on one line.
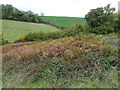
[(67, 62)]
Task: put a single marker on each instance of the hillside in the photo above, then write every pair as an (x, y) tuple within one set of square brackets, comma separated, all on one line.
[(63, 63), (64, 21), (12, 29)]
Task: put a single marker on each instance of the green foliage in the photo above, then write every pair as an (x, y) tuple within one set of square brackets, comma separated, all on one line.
[(99, 16), (86, 28), (110, 80), (53, 35), (103, 29), (12, 29), (11, 13), (41, 36), (63, 21), (2, 40), (102, 20)]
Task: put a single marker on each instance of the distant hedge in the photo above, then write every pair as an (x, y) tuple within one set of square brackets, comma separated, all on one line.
[(42, 36)]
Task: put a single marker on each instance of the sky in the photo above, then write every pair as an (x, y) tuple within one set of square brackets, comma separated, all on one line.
[(70, 8)]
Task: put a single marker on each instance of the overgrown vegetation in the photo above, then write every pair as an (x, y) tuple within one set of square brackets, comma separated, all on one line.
[(2, 40), (48, 61), (41, 36)]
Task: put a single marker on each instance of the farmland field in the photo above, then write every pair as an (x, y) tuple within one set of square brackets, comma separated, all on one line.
[(64, 21), (12, 29)]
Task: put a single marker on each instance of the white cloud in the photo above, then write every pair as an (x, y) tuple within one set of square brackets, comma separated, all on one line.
[(73, 8)]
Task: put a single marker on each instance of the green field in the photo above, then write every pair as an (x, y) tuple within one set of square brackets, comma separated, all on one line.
[(64, 21), (12, 29)]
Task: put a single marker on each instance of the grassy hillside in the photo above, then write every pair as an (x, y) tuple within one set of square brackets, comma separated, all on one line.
[(64, 21), (12, 29)]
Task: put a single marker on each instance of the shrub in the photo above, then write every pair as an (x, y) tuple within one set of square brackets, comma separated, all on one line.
[(34, 36), (104, 29), (2, 40), (42, 36), (86, 28), (53, 35), (20, 38)]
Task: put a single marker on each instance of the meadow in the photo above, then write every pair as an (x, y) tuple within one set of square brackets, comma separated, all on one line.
[(64, 21), (12, 29)]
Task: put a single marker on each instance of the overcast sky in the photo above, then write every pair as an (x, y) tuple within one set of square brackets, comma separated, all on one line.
[(71, 8)]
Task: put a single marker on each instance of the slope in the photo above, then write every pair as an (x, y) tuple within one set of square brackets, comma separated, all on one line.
[(64, 21), (12, 29)]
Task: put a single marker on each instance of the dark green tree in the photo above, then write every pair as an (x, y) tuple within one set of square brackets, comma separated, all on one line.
[(12, 13), (102, 19)]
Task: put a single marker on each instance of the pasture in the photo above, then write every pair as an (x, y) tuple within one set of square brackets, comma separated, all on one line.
[(12, 29), (64, 21)]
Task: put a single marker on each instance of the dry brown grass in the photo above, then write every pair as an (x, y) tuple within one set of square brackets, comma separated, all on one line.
[(8, 47)]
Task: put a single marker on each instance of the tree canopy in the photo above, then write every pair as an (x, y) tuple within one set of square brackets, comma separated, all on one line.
[(12, 13), (102, 20)]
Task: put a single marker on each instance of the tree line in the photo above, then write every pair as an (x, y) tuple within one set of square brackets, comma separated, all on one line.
[(11, 13)]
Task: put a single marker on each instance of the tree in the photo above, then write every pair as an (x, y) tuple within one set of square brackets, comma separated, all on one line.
[(7, 10), (102, 17), (12, 13), (94, 17)]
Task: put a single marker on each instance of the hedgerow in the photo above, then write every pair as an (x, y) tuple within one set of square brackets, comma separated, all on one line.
[(43, 36)]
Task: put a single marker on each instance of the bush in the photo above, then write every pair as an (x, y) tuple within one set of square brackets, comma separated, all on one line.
[(34, 36), (103, 29), (2, 40), (42, 36), (20, 38), (87, 28), (53, 35)]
